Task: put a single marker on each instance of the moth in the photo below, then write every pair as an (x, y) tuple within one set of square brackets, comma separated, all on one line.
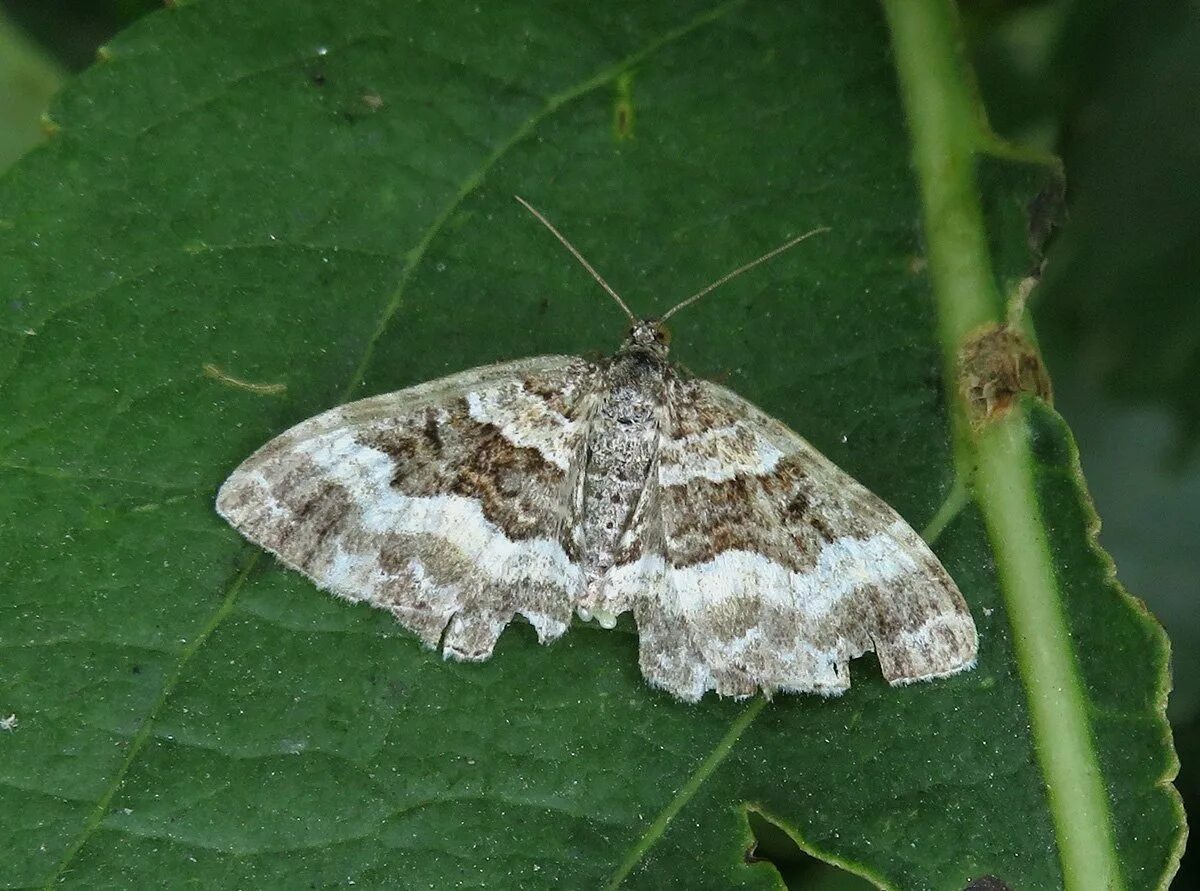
[(556, 486)]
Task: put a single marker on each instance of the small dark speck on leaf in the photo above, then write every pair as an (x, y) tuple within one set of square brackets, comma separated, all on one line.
[(623, 117), (136, 669)]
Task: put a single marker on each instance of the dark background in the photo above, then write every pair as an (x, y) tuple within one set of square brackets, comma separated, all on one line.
[(1113, 87)]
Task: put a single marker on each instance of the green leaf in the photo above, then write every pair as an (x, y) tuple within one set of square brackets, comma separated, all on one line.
[(253, 212)]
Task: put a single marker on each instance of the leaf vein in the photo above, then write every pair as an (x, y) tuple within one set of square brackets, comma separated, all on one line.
[(658, 828), (559, 100), (472, 183), (146, 727)]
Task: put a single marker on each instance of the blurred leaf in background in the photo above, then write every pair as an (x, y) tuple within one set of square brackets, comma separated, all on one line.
[(70, 31), (40, 42), (28, 79)]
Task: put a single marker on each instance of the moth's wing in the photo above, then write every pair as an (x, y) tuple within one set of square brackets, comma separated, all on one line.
[(446, 503), (779, 568)]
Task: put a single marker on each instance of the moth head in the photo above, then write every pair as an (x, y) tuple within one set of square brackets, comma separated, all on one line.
[(650, 336)]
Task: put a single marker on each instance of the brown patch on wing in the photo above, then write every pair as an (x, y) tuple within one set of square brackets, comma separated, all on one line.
[(783, 515), (432, 431), (517, 488), (749, 625), (318, 517), (550, 391), (316, 513), (563, 393), (690, 415)]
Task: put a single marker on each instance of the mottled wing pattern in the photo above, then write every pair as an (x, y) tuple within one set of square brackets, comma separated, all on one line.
[(446, 504), (779, 568)]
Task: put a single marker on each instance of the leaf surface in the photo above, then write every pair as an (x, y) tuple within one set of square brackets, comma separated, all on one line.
[(251, 213)]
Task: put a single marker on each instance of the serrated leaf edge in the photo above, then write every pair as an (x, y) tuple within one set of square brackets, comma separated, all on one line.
[(948, 125)]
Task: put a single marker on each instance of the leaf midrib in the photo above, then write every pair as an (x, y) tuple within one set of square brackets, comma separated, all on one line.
[(948, 130)]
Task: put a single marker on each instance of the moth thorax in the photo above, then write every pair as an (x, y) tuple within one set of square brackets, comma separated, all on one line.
[(623, 439)]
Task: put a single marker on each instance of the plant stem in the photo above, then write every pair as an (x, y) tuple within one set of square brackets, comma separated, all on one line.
[(948, 130)]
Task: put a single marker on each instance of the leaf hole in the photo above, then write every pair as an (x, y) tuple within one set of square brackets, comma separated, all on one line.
[(797, 867)]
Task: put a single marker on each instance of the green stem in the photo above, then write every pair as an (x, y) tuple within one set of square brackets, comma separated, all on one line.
[(945, 125)]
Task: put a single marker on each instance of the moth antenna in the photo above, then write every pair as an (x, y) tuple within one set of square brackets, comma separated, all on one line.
[(578, 256), (746, 268)]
